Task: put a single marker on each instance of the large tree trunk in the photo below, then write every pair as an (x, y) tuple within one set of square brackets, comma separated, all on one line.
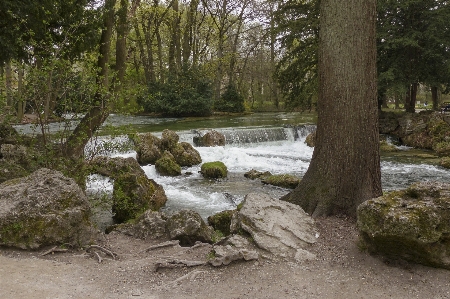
[(345, 167), (121, 45), (8, 78), (99, 112)]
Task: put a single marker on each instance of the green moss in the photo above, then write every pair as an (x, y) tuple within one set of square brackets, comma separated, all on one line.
[(282, 180), (214, 170), (217, 236), (386, 147), (221, 221), (167, 165), (445, 162)]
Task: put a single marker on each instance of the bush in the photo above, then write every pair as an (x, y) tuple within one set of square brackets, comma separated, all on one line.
[(188, 93), (230, 101)]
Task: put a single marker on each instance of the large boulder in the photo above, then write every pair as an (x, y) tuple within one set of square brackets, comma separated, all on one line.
[(279, 227), (221, 221), (148, 148), (412, 224), (185, 154), (169, 140), (115, 167), (189, 227), (149, 225), (211, 138), (134, 194), (45, 208)]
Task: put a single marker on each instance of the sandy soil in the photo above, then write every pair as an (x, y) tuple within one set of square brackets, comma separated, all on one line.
[(340, 271)]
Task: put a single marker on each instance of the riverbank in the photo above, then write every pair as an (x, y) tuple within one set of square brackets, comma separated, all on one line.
[(340, 270)]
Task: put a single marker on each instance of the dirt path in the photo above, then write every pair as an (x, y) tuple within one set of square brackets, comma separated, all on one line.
[(340, 271)]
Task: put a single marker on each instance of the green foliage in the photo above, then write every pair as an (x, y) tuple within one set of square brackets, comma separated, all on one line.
[(188, 93), (230, 101), (296, 72), (412, 43)]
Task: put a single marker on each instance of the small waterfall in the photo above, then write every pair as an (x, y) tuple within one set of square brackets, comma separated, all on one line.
[(302, 131), (240, 136)]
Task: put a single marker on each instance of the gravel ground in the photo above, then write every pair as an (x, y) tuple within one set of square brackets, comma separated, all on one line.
[(341, 270)]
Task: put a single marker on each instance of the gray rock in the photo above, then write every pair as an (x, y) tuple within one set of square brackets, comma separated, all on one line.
[(279, 227), (133, 194), (224, 255), (150, 225), (189, 227), (115, 167), (185, 154), (169, 140), (42, 209), (412, 224), (211, 138), (167, 165), (148, 148)]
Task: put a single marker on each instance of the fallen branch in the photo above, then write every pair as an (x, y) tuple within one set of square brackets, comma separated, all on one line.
[(53, 250), (178, 263), (104, 250), (164, 244)]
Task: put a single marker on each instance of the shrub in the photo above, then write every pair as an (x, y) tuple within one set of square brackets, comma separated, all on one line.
[(230, 101), (188, 93)]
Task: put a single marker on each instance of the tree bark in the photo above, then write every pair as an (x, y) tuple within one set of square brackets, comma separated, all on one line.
[(90, 123), (345, 167), (8, 85), (121, 45), (434, 98)]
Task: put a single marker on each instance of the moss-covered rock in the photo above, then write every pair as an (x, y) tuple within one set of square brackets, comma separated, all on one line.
[(189, 227), (185, 154), (211, 138), (148, 148), (167, 165), (387, 147), (133, 194), (214, 170), (445, 162), (282, 180), (43, 209), (412, 224), (114, 167), (254, 174), (169, 140), (221, 221)]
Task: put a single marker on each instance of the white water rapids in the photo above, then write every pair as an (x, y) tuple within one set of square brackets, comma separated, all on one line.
[(284, 156)]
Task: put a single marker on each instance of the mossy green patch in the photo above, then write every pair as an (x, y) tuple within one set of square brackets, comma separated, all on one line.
[(214, 170), (282, 180)]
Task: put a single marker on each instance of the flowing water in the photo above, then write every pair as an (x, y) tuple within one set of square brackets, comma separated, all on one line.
[(265, 142)]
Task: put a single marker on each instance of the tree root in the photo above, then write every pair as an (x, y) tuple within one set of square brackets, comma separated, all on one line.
[(175, 263), (164, 244), (53, 250), (102, 249)]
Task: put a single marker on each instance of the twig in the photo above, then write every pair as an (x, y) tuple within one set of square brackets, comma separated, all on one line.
[(104, 250), (178, 263), (53, 249), (164, 244), (100, 260)]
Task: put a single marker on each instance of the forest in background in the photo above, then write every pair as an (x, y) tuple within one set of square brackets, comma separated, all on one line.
[(190, 58)]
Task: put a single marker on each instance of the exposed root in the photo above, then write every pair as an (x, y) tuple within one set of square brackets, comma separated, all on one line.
[(178, 263), (53, 250), (104, 250), (164, 244)]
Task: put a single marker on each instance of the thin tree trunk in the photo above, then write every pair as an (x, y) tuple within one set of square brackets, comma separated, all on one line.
[(99, 112), (21, 103), (121, 45), (8, 80), (434, 98), (345, 167)]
